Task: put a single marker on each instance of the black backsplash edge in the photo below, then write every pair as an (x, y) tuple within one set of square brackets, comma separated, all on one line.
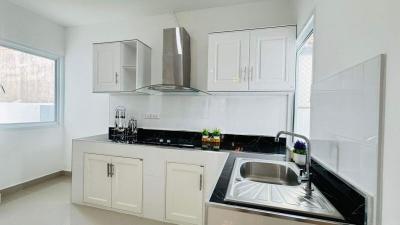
[(233, 142), (348, 201)]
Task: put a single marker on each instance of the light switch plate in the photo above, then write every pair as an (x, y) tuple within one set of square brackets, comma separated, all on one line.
[(152, 116)]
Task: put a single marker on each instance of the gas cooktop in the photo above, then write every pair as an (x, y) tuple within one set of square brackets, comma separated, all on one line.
[(182, 139)]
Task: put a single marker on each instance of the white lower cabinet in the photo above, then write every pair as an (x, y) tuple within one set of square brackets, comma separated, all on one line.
[(97, 183), (163, 184), (184, 193), (127, 183), (115, 182)]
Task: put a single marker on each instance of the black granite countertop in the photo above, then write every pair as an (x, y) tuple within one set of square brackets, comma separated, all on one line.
[(230, 143), (346, 200), (103, 138)]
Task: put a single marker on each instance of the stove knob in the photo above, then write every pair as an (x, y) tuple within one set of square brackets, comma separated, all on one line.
[(161, 140), (168, 141)]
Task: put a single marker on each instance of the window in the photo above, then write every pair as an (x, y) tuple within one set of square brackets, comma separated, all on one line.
[(304, 74), (28, 86)]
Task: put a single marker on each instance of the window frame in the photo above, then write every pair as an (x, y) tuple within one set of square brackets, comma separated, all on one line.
[(308, 29), (306, 32), (59, 83)]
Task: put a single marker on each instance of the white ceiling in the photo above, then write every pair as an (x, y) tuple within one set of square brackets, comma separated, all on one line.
[(83, 12)]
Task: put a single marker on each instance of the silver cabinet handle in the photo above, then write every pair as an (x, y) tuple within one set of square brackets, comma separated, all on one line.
[(251, 73), (201, 182), (112, 170), (108, 169), (116, 78), (245, 74), (242, 73), (2, 88)]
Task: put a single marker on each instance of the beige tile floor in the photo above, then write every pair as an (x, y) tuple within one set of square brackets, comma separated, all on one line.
[(49, 204)]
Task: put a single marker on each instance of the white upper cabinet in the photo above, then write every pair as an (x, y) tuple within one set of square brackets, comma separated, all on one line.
[(228, 57), (121, 66), (272, 59), (255, 60), (184, 194), (106, 67)]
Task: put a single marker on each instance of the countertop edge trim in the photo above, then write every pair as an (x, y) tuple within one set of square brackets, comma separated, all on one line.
[(274, 214)]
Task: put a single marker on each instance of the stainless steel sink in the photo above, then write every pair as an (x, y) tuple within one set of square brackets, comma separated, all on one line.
[(275, 184), (265, 172)]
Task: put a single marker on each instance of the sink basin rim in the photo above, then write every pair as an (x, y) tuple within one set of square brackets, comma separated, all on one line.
[(327, 210), (269, 172)]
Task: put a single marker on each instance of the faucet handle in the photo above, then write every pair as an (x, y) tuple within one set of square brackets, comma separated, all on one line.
[(303, 176), (302, 173), (300, 178)]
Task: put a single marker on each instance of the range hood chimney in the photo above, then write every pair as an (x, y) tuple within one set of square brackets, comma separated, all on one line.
[(176, 57), (176, 64)]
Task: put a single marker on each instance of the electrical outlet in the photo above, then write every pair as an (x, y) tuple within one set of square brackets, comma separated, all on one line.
[(152, 116)]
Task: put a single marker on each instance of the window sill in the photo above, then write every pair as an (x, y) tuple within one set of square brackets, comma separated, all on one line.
[(30, 125)]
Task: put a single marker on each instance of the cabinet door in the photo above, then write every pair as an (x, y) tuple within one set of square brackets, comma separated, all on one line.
[(184, 193), (127, 183), (228, 60), (106, 67), (97, 183), (272, 59)]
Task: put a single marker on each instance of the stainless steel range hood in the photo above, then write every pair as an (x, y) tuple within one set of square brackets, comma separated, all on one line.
[(176, 64)]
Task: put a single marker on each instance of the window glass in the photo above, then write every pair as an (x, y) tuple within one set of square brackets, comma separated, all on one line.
[(303, 86), (27, 87)]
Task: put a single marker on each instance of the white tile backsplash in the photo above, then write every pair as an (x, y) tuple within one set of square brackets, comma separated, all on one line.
[(345, 119), (240, 113)]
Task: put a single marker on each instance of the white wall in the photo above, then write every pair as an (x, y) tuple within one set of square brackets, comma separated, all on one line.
[(24, 27), (28, 153), (347, 33), (261, 114), (304, 10), (87, 113), (346, 141)]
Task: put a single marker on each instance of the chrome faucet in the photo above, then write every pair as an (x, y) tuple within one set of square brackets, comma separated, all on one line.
[(307, 175)]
